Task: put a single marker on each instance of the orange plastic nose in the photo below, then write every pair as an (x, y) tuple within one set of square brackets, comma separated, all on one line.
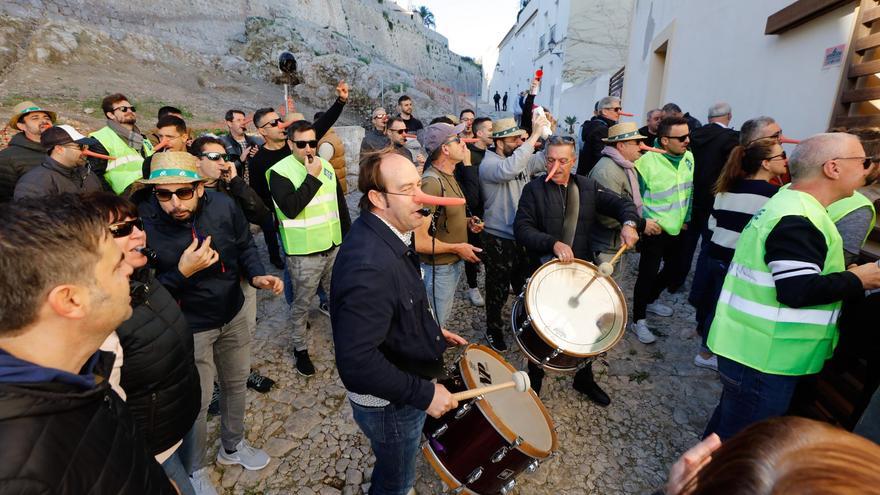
[(427, 199)]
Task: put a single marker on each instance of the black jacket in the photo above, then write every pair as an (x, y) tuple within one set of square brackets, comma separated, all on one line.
[(159, 373), (212, 297), (468, 178), (592, 133), (711, 144), (61, 439), (247, 199), (234, 149), (53, 178), (21, 156), (540, 214), (387, 343)]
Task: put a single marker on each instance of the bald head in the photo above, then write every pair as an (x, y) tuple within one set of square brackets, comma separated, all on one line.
[(809, 157)]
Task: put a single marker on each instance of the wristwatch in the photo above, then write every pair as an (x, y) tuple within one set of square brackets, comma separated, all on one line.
[(630, 223)]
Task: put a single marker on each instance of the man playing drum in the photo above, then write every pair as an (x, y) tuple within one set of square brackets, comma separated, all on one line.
[(554, 219)]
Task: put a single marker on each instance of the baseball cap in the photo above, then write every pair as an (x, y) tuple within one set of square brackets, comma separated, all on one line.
[(435, 135), (60, 135)]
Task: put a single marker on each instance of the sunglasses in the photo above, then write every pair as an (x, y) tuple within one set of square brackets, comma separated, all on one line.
[(781, 155), (271, 123), (866, 160), (453, 140), (182, 193), (615, 109), (380, 116), (302, 144), (123, 229), (125, 109), (399, 131), (557, 139), (681, 139), (215, 156)]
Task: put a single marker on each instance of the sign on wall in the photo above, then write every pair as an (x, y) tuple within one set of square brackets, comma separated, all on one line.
[(834, 56)]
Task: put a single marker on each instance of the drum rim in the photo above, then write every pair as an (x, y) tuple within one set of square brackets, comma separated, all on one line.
[(528, 353), (540, 333), (444, 474), (509, 435)]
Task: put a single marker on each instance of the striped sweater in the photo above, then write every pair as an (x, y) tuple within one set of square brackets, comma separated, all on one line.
[(732, 211)]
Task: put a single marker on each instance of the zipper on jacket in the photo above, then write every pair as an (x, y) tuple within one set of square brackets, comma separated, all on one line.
[(152, 412)]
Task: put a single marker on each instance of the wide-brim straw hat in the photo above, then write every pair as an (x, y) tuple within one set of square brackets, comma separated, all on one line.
[(172, 167), (624, 131), (24, 108), (507, 127)]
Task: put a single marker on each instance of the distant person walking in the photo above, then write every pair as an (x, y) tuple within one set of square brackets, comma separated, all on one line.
[(504, 102), (497, 99)]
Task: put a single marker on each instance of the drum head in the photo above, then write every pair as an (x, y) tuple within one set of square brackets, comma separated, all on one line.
[(591, 326), (513, 414)]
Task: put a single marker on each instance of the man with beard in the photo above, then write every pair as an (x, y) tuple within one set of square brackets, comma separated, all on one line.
[(25, 151), (240, 146), (204, 248), (122, 140), (405, 107), (64, 170), (652, 120)]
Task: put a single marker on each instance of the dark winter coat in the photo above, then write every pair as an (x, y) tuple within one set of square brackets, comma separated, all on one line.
[(53, 178), (16, 160), (592, 133), (711, 144)]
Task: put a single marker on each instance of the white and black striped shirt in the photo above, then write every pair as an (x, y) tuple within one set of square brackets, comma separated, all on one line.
[(731, 213)]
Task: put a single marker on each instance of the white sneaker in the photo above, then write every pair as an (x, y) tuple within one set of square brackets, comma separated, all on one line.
[(708, 363), (475, 297), (248, 457), (659, 309), (201, 482), (643, 332)]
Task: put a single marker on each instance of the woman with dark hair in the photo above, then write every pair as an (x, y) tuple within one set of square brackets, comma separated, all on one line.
[(742, 189), (155, 371), (786, 455)]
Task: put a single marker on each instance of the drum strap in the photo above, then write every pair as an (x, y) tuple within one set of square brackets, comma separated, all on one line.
[(572, 209)]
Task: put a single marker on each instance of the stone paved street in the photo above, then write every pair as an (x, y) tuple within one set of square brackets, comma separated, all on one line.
[(660, 404)]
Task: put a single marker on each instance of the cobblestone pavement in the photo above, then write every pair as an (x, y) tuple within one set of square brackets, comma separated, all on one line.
[(660, 404)]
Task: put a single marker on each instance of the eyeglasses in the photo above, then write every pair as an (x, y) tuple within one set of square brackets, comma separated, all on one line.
[(302, 144), (559, 139), (184, 193), (615, 109), (680, 139), (399, 131), (215, 156), (866, 163), (125, 109), (456, 139), (380, 116), (272, 123), (123, 229), (781, 155)]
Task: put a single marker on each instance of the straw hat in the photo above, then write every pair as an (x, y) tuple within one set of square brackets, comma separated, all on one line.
[(172, 167), (624, 131), (503, 128), (24, 108)]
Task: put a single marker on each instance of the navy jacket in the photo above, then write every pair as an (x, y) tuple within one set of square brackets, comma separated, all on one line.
[(212, 297), (387, 343)]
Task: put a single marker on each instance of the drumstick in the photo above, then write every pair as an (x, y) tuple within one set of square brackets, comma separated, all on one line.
[(607, 268), (519, 381)]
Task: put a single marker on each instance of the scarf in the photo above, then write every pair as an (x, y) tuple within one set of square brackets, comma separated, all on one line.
[(133, 138), (629, 168)]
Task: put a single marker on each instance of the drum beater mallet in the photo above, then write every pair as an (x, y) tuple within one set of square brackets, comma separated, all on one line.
[(606, 269), (519, 380)]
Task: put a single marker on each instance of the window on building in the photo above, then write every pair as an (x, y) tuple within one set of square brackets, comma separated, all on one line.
[(541, 44), (553, 33)]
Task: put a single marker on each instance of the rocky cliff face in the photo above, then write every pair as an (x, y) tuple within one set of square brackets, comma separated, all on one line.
[(194, 53)]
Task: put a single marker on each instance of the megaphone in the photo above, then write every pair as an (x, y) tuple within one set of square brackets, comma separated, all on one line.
[(287, 63)]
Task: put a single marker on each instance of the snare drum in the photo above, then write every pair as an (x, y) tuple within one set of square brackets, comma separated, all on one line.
[(558, 330), (483, 445)]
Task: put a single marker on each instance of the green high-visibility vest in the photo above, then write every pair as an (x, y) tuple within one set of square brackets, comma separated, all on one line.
[(668, 189), (751, 326), (127, 167), (845, 206), (317, 227)]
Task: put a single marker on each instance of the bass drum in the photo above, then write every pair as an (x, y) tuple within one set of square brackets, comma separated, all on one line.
[(558, 324)]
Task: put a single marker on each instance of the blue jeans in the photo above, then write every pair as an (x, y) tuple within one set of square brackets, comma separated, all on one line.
[(748, 396), (714, 272), (173, 467), (395, 432), (443, 278)]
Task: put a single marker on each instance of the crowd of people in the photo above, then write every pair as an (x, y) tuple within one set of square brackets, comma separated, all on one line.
[(130, 274)]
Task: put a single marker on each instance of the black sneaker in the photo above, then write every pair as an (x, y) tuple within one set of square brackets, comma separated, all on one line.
[(586, 384), (214, 406), (260, 383), (496, 340), (303, 363)]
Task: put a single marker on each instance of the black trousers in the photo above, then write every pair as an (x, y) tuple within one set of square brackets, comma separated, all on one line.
[(506, 265), (652, 280), (697, 227), (472, 269)]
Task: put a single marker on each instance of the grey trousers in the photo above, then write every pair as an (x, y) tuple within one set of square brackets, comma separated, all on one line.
[(226, 353), (306, 273)]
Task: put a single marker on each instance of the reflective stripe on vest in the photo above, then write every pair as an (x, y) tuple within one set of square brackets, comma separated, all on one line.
[(128, 166), (668, 189), (751, 326), (317, 227), (845, 206)]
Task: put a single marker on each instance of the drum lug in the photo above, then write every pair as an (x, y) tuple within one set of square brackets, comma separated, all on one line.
[(532, 467), (552, 355), (517, 442), (463, 410), (508, 487), (440, 431), (499, 454), (474, 476)]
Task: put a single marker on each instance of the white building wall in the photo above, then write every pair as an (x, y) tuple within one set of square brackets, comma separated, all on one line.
[(579, 99), (718, 51)]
